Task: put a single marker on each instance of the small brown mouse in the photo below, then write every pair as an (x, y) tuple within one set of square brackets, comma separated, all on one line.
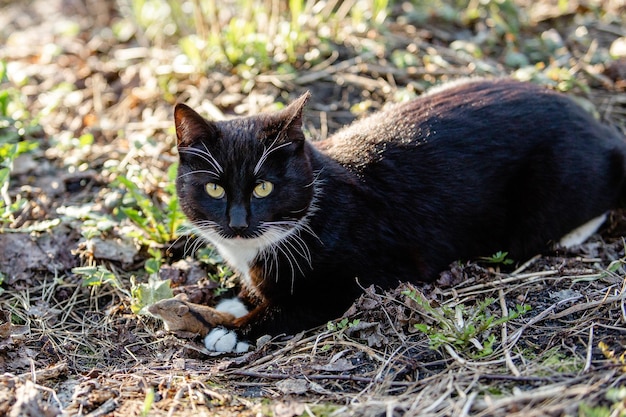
[(179, 315)]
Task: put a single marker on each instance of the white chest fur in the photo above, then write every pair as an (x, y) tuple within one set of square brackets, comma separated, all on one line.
[(239, 253)]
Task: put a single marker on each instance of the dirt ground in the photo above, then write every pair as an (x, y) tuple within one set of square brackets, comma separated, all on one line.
[(99, 107)]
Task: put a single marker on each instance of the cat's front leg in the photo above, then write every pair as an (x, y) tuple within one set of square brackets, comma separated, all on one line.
[(222, 340), (267, 318)]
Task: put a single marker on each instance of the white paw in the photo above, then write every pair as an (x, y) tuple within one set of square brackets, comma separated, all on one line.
[(233, 306), (222, 341)]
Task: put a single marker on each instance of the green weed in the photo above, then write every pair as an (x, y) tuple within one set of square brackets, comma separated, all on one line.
[(554, 360), (504, 17), (96, 276), (220, 272), (585, 410), (157, 224), (148, 402), (145, 294), (16, 131), (466, 328), (253, 37), (341, 325), (140, 294), (499, 258), (338, 329), (616, 396)]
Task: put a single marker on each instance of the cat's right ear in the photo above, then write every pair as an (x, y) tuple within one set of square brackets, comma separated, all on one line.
[(190, 126)]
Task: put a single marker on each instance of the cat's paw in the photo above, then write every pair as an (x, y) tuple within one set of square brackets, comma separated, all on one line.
[(221, 340), (233, 306)]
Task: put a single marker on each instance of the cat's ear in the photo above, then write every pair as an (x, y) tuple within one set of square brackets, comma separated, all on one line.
[(294, 111), (190, 126), (289, 120)]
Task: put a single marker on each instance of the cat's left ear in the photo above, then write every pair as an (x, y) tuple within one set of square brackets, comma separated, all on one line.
[(290, 118)]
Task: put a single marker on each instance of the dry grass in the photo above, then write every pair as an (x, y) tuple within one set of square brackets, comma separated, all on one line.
[(74, 350), (548, 361)]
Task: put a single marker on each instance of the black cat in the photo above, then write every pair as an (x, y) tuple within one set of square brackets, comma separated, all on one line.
[(467, 170)]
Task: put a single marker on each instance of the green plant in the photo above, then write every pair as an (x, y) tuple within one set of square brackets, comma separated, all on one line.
[(220, 272), (468, 328), (140, 294), (342, 324), (148, 402), (498, 258), (96, 276), (504, 16), (158, 224), (338, 328), (15, 139), (554, 360), (253, 37), (585, 410), (616, 396), (145, 294)]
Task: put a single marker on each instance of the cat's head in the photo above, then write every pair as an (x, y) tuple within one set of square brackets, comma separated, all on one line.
[(246, 179)]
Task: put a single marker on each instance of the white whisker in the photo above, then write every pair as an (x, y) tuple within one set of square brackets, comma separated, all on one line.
[(269, 255), (210, 155), (267, 152), (289, 256), (205, 155), (169, 248), (302, 248), (199, 171), (293, 251)]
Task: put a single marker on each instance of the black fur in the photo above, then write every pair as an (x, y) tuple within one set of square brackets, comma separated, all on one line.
[(475, 168)]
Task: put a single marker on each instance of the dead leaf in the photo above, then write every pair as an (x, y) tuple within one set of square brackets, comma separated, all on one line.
[(178, 364), (566, 294), (21, 255), (24, 253), (288, 409), (340, 365), (29, 404), (113, 250), (370, 332), (293, 386), (369, 300)]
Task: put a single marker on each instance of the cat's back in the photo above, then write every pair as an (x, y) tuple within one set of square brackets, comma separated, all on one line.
[(471, 169), (460, 113)]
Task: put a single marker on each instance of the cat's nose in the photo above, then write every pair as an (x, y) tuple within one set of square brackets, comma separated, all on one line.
[(238, 222), (239, 230)]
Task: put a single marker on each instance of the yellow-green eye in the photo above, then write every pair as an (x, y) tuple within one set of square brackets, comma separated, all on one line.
[(214, 190), (263, 189)]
